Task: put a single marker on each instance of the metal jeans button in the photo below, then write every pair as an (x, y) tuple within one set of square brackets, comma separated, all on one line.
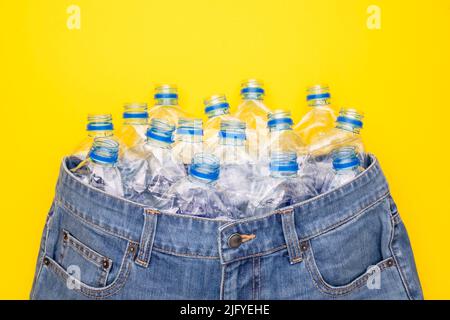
[(235, 241)]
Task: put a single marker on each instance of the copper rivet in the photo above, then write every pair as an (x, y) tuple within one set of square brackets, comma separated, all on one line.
[(65, 236), (46, 261), (390, 263), (132, 249), (105, 264)]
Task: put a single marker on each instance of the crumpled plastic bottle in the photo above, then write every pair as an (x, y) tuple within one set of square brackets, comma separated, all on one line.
[(99, 125), (166, 105), (99, 169), (135, 123), (281, 136), (188, 140), (321, 118), (197, 194), (237, 167), (285, 186), (254, 112), (217, 110), (149, 170), (346, 166)]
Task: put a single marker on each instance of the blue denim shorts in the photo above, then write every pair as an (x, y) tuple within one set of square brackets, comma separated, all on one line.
[(346, 244)]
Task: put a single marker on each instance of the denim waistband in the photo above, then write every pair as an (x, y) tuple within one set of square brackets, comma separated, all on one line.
[(204, 238)]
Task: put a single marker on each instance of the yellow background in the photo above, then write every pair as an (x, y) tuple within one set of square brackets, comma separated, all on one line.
[(51, 77)]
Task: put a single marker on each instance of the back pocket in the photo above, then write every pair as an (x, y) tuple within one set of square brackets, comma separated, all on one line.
[(82, 262)]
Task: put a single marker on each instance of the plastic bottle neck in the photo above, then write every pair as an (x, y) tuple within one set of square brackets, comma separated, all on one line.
[(280, 121), (345, 160), (350, 120), (190, 130), (104, 152), (205, 168), (135, 114), (252, 96), (100, 125), (216, 106), (160, 133), (232, 133), (284, 165), (166, 95), (101, 133), (252, 90), (318, 96), (166, 101)]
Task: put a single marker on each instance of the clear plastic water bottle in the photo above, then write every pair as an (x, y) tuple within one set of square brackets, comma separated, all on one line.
[(217, 110), (150, 169), (346, 133), (135, 123), (232, 147), (198, 193), (281, 136), (99, 125), (346, 167), (237, 167), (285, 186), (100, 168), (166, 104), (321, 118), (253, 112), (189, 140)]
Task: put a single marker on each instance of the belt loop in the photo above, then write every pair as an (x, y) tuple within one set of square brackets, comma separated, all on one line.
[(147, 237), (290, 235)]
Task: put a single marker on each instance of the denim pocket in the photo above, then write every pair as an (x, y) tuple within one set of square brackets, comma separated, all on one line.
[(86, 260), (78, 259), (344, 258), (72, 284)]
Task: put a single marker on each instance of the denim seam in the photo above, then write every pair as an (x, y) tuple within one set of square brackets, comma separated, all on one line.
[(396, 218), (244, 221), (81, 248), (346, 220), (219, 246), (257, 254), (44, 253), (98, 293), (253, 279), (222, 282), (185, 255), (399, 268), (257, 276), (93, 200), (48, 222), (324, 287), (80, 216)]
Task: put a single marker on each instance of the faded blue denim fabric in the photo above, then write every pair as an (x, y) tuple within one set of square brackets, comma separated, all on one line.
[(347, 244)]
